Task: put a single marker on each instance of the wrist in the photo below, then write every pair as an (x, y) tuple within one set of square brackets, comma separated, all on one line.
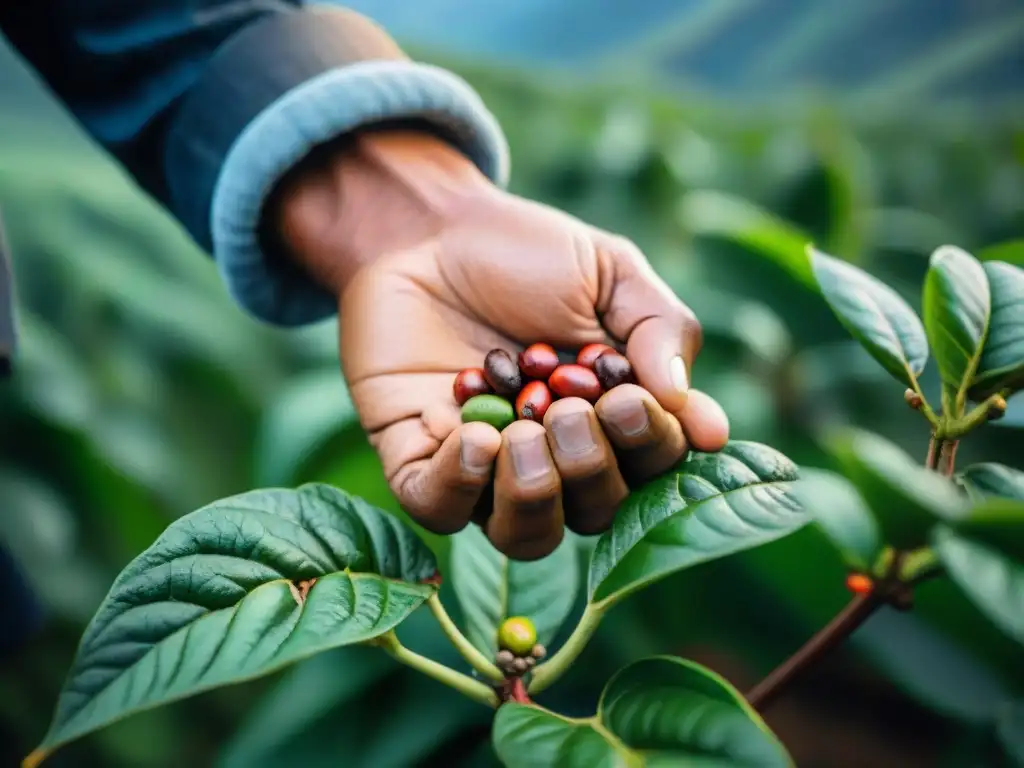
[(351, 201)]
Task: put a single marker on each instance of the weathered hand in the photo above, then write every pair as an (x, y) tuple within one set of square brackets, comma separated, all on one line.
[(494, 270)]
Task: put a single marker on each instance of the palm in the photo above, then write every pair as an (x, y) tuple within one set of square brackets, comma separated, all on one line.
[(419, 317)]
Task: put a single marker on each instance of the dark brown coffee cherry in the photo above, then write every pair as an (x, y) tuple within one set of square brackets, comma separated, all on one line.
[(533, 402), (589, 354), (575, 381), (538, 361), (502, 373), (612, 369), (470, 383)]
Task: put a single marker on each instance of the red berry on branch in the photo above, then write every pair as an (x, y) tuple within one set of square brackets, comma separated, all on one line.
[(859, 584)]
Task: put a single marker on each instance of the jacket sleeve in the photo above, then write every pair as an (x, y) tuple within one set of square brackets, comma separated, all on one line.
[(209, 102)]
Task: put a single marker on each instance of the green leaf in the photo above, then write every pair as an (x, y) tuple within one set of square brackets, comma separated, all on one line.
[(1002, 360), (717, 214), (874, 314), (1010, 251), (991, 479), (840, 511), (310, 410), (957, 305), (657, 711), (710, 506), (490, 588), (990, 579), (1010, 730), (214, 601), (906, 499), (998, 523)]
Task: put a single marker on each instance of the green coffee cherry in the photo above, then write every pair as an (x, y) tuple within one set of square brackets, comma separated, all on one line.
[(517, 634), (490, 409)]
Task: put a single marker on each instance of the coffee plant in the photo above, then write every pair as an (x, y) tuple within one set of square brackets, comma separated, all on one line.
[(249, 584)]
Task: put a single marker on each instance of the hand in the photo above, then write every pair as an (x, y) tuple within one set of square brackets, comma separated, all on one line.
[(434, 267)]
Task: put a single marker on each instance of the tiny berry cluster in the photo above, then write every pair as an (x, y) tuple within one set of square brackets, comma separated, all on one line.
[(506, 389)]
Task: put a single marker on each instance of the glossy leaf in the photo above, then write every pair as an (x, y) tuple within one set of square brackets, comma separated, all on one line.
[(957, 306), (490, 587), (1002, 360), (717, 214), (991, 479), (874, 314), (710, 506), (312, 409), (990, 579), (998, 523), (217, 599), (906, 499), (657, 711), (840, 511)]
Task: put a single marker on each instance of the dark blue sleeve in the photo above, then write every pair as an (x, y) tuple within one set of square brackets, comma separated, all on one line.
[(209, 102)]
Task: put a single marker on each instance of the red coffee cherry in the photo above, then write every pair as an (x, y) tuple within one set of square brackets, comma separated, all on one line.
[(533, 401), (589, 354), (502, 373), (575, 381), (470, 383), (859, 584), (612, 369), (538, 361)]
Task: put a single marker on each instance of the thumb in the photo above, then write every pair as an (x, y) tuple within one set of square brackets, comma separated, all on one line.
[(661, 334)]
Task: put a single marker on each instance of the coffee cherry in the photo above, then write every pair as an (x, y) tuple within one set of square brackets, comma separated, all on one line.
[(575, 381), (859, 584), (589, 354), (612, 369), (538, 361), (502, 373), (539, 651), (470, 383), (517, 634), (533, 401), (490, 409), (520, 666)]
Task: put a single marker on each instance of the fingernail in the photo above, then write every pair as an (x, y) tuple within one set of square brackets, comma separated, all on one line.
[(677, 374), (530, 457), (572, 433), (629, 418), (475, 457)]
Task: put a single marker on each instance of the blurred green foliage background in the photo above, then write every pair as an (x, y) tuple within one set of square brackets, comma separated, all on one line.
[(142, 393)]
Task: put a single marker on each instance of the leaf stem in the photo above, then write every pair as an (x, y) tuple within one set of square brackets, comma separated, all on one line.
[(464, 684), (547, 673), (831, 635), (931, 461), (469, 652), (974, 418)]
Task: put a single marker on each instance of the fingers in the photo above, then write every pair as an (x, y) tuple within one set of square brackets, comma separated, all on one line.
[(705, 423), (527, 521), (662, 335), (647, 439), (592, 486), (441, 492)]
